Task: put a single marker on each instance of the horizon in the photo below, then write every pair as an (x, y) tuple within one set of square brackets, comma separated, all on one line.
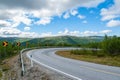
[(59, 36), (51, 18)]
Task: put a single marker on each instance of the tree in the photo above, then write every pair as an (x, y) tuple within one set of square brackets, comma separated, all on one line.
[(111, 45)]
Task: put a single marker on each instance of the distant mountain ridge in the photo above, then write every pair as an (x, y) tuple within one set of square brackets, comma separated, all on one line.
[(14, 39), (72, 40)]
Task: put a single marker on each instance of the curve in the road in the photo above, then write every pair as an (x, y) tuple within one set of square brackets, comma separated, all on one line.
[(79, 70)]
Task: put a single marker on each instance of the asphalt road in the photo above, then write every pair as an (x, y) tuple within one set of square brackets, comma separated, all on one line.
[(73, 68)]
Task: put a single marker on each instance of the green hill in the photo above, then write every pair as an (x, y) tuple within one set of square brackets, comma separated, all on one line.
[(65, 40), (14, 39), (57, 40)]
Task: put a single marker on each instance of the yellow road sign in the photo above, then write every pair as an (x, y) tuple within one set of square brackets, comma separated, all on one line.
[(18, 43), (5, 43)]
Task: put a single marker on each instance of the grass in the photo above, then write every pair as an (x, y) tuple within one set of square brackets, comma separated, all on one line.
[(106, 60), (0, 74)]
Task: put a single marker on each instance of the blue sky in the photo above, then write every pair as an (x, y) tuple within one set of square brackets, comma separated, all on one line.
[(46, 18)]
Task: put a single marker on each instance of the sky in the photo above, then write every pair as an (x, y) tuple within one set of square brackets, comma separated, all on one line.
[(46, 18)]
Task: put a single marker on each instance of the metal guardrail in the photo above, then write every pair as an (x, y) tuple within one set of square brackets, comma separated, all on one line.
[(22, 62)]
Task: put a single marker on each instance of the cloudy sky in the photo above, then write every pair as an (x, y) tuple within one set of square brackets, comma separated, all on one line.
[(41, 18)]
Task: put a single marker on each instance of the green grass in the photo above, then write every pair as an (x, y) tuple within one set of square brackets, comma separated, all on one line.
[(0, 74), (97, 53), (106, 60)]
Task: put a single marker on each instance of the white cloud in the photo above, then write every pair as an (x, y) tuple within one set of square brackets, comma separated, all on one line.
[(94, 33), (89, 33), (44, 21), (84, 33), (81, 16), (108, 17), (67, 32), (14, 32), (113, 23), (111, 12), (40, 8), (27, 28), (105, 31), (15, 17), (9, 31), (29, 35), (38, 4), (15, 24), (15, 12), (93, 3), (21, 19), (4, 23), (74, 12), (48, 34), (66, 15)]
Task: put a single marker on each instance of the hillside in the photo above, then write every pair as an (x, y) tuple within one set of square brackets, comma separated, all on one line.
[(58, 40), (66, 40), (14, 39)]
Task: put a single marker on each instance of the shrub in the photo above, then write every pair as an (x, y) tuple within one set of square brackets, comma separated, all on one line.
[(111, 46)]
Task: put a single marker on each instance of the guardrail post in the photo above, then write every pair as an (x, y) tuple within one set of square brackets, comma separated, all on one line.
[(23, 69), (31, 61)]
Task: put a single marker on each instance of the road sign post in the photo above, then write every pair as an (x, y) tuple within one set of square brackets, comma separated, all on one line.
[(18, 44), (5, 44), (18, 49)]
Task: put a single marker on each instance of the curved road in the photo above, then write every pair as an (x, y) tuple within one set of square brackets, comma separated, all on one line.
[(78, 70)]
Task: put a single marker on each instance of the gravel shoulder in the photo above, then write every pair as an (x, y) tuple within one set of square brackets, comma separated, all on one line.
[(37, 72)]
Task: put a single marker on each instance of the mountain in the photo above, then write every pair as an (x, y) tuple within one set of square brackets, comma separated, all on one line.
[(71, 40), (14, 39), (57, 40)]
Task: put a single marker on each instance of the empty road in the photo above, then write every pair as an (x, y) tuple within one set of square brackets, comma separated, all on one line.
[(78, 70)]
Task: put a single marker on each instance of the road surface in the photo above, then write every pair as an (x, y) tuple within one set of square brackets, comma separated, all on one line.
[(78, 70)]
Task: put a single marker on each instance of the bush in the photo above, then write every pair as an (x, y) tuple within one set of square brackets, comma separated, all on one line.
[(111, 46)]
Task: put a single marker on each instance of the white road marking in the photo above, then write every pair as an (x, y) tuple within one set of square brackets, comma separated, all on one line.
[(54, 69)]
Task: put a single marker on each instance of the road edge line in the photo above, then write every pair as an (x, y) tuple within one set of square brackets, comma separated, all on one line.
[(54, 69)]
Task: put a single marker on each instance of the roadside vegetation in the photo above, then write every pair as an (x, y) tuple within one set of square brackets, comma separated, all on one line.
[(0, 74), (105, 52)]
